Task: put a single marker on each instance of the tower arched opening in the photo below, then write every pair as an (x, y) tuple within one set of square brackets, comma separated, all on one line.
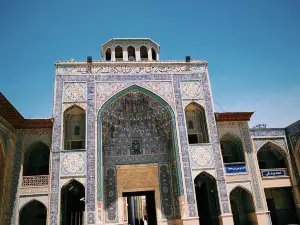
[(119, 53), (72, 203), (144, 52), (153, 54), (196, 124), (131, 53), (108, 54), (33, 213), (207, 199)]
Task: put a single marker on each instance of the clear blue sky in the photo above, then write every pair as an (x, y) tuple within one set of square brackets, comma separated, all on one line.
[(252, 47)]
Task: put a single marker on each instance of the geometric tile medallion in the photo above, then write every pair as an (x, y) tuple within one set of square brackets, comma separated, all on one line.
[(73, 163)]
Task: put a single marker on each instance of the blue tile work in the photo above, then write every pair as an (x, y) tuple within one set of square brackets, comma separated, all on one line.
[(215, 145), (166, 195), (135, 87), (137, 159), (173, 168), (111, 198), (293, 140), (56, 140), (87, 77), (267, 132), (90, 153), (189, 183), (295, 127)]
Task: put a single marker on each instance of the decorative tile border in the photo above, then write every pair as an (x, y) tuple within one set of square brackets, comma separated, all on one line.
[(91, 214), (135, 69), (166, 195), (105, 90), (56, 140), (259, 142), (267, 132), (111, 199), (189, 183), (225, 205)]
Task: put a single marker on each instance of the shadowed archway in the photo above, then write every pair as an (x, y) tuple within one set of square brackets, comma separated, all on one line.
[(33, 213), (242, 207), (72, 203), (207, 199)]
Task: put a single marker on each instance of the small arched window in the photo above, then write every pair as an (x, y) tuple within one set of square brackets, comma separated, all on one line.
[(153, 52), (131, 53), (74, 128), (196, 124), (108, 54), (144, 53), (119, 53)]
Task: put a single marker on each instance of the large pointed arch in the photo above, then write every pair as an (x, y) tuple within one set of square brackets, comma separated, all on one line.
[(99, 140), (277, 152)]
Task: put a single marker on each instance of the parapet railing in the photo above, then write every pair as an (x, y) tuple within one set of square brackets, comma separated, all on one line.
[(39, 180)]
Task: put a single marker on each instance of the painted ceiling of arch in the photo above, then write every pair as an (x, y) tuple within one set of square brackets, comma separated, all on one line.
[(136, 124)]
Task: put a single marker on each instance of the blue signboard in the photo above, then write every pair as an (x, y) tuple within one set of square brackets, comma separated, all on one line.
[(235, 168), (273, 173)]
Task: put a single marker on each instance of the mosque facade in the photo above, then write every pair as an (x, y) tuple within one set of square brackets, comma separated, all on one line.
[(136, 140)]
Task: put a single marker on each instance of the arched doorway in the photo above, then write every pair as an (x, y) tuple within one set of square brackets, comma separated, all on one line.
[(33, 213), (207, 199), (242, 207), (137, 128), (72, 203)]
